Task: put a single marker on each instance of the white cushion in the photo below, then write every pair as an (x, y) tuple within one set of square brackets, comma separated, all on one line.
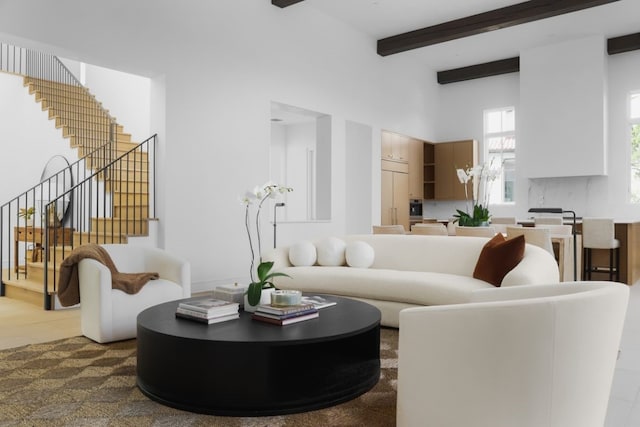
[(302, 254), (359, 254), (331, 251)]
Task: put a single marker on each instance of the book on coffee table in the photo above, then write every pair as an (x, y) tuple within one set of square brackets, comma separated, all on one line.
[(285, 321), (283, 309), (209, 321), (209, 306), (317, 301)]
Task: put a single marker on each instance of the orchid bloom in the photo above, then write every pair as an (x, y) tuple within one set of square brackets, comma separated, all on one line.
[(462, 176)]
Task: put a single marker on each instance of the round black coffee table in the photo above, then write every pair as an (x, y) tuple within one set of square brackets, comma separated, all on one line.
[(245, 367)]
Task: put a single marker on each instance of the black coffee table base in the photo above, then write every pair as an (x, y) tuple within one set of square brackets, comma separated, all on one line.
[(241, 378)]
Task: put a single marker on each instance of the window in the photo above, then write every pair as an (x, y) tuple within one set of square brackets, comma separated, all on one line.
[(634, 123), (500, 151)]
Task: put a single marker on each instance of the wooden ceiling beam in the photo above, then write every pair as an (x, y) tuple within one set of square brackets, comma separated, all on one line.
[(623, 44), (516, 14), (284, 3), (493, 68)]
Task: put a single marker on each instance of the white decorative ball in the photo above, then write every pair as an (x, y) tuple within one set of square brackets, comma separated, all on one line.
[(359, 254), (331, 252), (302, 254)]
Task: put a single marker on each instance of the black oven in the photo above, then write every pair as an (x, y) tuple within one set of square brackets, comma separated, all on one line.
[(415, 208)]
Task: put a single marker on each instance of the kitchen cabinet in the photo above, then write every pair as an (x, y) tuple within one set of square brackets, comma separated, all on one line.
[(395, 194), (416, 169), (395, 147), (449, 156), (429, 171)]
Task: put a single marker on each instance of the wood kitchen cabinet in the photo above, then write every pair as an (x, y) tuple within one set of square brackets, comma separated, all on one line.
[(395, 147), (416, 169), (429, 171), (448, 157), (395, 194)]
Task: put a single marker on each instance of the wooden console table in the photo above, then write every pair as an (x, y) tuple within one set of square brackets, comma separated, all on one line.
[(35, 235)]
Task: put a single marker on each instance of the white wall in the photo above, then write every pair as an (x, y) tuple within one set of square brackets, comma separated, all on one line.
[(562, 108), (126, 96), (358, 178)]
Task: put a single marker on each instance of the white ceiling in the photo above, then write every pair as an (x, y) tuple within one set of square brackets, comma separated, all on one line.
[(383, 18)]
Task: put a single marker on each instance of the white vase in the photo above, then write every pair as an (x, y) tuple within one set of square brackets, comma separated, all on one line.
[(265, 298)]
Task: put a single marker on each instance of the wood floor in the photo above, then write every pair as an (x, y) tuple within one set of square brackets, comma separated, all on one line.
[(22, 323)]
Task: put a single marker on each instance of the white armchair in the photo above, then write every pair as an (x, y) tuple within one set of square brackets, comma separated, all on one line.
[(526, 356), (110, 314)]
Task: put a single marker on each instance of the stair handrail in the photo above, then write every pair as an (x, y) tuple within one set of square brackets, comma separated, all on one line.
[(28, 199), (80, 170), (107, 171)]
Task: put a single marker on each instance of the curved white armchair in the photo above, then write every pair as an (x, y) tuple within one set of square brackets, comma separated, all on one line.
[(526, 356), (108, 314)]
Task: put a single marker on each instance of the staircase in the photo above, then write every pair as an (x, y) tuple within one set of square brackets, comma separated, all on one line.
[(107, 191)]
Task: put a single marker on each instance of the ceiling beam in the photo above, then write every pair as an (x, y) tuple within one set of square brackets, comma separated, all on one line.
[(516, 14), (284, 3), (623, 44), (493, 68)]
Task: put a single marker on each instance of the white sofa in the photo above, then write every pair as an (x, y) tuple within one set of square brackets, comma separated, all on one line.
[(411, 271), (525, 356)]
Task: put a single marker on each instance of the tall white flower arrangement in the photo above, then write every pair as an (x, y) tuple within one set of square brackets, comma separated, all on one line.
[(481, 177), (257, 197)]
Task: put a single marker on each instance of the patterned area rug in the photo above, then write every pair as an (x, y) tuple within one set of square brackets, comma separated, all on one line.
[(76, 382)]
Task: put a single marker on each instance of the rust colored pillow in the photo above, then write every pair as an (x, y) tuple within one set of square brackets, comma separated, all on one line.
[(498, 257)]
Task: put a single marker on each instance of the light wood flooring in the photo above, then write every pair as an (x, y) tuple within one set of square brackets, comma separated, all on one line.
[(22, 323)]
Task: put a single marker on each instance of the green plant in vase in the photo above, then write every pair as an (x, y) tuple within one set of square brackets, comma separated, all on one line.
[(27, 213), (479, 217), (254, 292)]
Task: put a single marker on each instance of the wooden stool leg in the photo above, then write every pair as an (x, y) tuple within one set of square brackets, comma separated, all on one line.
[(587, 263), (617, 264), (611, 265)]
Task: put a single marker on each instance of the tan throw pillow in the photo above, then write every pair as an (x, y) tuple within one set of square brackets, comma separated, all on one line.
[(498, 257)]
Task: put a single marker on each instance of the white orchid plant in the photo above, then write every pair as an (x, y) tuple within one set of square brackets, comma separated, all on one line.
[(483, 175), (258, 196)]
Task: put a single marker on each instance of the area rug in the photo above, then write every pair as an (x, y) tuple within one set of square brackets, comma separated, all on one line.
[(77, 382)]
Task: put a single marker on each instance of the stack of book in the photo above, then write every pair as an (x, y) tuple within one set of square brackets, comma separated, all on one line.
[(208, 310), (284, 315)]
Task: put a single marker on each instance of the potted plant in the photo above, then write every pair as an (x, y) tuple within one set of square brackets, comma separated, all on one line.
[(254, 292), (265, 276), (479, 214), (27, 214)]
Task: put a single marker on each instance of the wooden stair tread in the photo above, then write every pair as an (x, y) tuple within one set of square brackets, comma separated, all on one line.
[(27, 284)]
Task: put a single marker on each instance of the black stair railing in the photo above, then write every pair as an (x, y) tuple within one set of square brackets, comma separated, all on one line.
[(75, 206)]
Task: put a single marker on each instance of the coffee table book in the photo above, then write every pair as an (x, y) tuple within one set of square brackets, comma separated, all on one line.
[(287, 315), (317, 301), (283, 309), (209, 306), (209, 321), (286, 321)]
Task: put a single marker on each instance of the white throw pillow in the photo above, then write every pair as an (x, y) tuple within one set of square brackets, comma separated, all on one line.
[(359, 254), (331, 251), (302, 254)]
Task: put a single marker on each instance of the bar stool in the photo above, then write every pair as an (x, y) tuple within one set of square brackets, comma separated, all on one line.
[(599, 233)]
